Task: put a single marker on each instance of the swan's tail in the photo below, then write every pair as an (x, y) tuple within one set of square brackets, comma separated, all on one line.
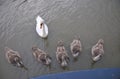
[(25, 68), (39, 19)]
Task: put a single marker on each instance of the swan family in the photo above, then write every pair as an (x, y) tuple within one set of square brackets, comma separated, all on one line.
[(14, 58), (62, 56)]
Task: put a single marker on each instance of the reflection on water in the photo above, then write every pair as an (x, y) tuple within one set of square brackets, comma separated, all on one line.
[(89, 19)]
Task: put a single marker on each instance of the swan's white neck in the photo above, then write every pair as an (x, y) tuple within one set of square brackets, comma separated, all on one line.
[(43, 29)]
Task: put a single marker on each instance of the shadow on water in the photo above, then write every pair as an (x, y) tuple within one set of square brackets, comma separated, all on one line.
[(94, 62), (45, 43), (65, 68), (75, 59), (25, 68), (49, 66)]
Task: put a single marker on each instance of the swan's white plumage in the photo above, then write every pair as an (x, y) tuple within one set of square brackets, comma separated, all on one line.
[(42, 32)]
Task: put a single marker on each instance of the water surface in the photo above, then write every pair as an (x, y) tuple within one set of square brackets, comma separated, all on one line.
[(89, 19)]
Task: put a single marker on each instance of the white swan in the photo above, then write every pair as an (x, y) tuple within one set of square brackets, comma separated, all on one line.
[(41, 27)]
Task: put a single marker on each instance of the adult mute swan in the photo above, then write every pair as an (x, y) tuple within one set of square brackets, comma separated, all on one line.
[(41, 27)]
